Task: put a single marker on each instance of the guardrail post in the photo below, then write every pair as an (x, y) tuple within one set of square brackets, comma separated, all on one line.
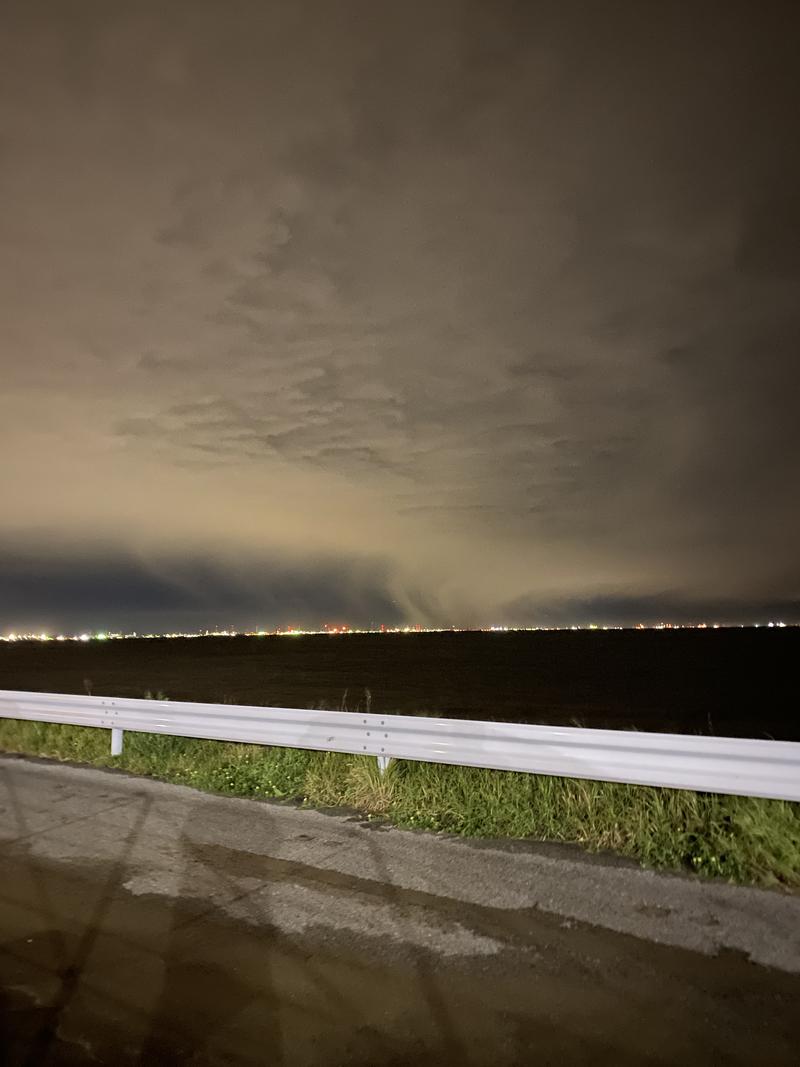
[(383, 763), (116, 742)]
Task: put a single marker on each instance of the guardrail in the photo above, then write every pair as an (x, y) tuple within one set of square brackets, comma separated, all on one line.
[(706, 764)]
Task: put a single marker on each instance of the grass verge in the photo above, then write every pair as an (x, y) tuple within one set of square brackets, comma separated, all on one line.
[(743, 839)]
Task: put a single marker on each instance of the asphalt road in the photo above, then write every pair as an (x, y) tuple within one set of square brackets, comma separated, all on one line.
[(148, 923)]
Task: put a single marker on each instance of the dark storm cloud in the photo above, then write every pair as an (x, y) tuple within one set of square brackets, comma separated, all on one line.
[(505, 293), (71, 589), (651, 610)]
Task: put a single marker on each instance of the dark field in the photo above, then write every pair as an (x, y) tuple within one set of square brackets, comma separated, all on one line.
[(728, 682)]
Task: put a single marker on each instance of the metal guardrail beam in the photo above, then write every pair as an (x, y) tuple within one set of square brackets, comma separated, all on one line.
[(740, 766)]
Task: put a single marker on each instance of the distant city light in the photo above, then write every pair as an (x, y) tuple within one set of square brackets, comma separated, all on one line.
[(343, 629)]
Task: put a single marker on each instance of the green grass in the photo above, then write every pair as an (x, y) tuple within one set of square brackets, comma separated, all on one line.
[(738, 838)]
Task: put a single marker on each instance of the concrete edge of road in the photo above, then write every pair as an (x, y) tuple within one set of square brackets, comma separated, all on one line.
[(511, 845), (77, 814)]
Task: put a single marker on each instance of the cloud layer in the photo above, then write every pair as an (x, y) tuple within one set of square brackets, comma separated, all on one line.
[(503, 295)]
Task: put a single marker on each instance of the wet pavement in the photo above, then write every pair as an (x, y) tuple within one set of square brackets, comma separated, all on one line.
[(147, 923)]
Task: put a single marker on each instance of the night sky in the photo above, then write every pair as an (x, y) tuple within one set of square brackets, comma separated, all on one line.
[(442, 312)]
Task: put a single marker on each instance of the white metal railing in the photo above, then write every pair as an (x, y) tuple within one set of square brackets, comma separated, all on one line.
[(743, 766)]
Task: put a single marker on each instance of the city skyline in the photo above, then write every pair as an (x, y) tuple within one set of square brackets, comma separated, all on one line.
[(344, 630)]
